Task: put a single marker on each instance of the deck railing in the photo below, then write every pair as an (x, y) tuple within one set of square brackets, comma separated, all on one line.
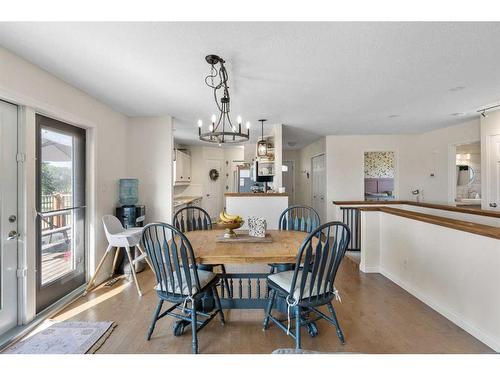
[(52, 202)]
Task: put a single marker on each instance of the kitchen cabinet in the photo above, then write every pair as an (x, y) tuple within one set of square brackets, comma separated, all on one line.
[(182, 168)]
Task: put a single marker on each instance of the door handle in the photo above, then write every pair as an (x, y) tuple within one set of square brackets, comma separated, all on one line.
[(493, 204), (13, 235)]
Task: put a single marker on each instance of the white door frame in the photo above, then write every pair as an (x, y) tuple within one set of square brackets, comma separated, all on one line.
[(487, 197), (293, 177), (10, 248), (452, 169), (27, 110)]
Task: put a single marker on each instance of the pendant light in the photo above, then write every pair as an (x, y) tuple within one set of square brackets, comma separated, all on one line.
[(262, 144), (221, 129)]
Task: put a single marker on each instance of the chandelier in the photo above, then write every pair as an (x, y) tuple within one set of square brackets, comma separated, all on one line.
[(221, 129)]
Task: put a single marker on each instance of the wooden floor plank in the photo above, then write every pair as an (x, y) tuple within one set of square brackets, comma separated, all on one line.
[(376, 316)]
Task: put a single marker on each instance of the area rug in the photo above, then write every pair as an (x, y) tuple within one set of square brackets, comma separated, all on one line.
[(65, 338)]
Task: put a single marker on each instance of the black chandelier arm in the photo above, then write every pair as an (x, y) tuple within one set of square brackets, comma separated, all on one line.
[(218, 132)]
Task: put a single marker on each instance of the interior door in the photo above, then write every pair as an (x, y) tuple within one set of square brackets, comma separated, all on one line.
[(494, 193), (8, 218), (212, 198), (60, 201), (318, 186), (289, 181)]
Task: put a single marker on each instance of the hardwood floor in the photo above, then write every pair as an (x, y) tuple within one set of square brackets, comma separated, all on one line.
[(376, 316)]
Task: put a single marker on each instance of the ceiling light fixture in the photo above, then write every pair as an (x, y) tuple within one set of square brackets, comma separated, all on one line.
[(483, 111), (221, 130), (262, 144)]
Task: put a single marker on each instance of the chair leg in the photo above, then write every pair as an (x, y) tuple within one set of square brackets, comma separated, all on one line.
[(141, 250), (337, 325), (226, 282), (155, 319), (132, 269), (194, 328), (217, 304), (115, 260), (269, 307), (99, 266), (297, 327)]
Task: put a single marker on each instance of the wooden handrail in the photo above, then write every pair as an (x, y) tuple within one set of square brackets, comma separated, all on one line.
[(466, 226), (437, 206)]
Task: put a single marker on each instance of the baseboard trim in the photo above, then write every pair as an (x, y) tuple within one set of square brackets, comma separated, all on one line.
[(457, 319), (369, 269)]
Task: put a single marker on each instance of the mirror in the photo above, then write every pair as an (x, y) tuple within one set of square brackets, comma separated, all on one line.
[(465, 175)]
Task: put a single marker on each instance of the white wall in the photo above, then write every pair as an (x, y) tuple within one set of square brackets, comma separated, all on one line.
[(417, 157), (150, 160), (27, 85), (303, 194), (454, 272), (278, 156), (110, 137)]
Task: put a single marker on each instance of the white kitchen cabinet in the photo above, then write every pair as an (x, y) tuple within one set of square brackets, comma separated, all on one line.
[(182, 168)]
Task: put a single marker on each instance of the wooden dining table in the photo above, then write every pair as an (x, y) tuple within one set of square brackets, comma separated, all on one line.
[(282, 249), (248, 290)]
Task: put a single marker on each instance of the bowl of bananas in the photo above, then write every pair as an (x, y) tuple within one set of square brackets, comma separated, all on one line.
[(229, 223)]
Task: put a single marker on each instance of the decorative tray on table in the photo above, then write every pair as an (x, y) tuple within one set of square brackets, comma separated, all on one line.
[(242, 237)]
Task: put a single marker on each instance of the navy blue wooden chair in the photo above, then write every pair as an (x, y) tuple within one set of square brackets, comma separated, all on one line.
[(297, 218), (310, 284), (179, 281), (193, 218)]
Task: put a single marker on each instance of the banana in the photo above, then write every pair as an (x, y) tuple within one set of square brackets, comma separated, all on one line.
[(226, 218), (231, 217), (223, 218)]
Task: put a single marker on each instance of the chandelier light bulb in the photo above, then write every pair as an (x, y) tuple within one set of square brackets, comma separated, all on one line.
[(211, 127), (238, 119), (214, 118), (200, 123), (248, 124)]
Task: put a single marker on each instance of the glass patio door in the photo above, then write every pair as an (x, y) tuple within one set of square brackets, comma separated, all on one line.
[(60, 172)]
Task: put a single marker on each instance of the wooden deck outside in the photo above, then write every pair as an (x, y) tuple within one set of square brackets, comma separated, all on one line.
[(55, 265)]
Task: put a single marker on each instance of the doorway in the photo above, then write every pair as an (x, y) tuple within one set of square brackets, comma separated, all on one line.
[(467, 179), (318, 187), (212, 199), (379, 175), (60, 204), (289, 180), (8, 221)]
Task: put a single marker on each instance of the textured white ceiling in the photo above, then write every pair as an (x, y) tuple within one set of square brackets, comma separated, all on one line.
[(319, 78)]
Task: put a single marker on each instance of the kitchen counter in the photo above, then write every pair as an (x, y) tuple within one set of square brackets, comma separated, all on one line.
[(185, 199), (265, 205)]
